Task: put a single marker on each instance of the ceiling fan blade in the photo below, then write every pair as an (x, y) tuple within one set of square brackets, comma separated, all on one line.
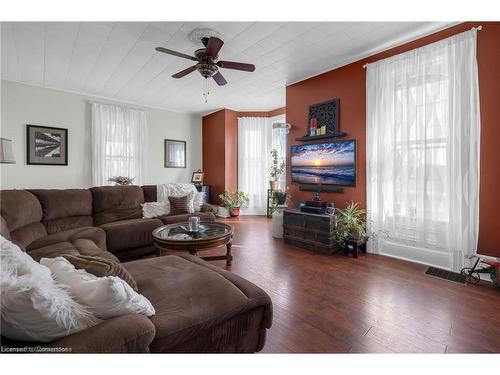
[(219, 78), (175, 53), (184, 72), (213, 46), (236, 65)]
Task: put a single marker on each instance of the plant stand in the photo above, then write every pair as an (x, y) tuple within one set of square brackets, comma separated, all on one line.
[(354, 246)]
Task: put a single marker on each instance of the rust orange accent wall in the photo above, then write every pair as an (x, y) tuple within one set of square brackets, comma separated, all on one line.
[(220, 148), (214, 144), (348, 84)]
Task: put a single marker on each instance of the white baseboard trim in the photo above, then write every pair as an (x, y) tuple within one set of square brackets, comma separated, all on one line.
[(418, 255)]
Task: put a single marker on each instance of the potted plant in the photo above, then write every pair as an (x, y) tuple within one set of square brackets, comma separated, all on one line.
[(276, 169), (351, 223), (233, 201), (122, 180)]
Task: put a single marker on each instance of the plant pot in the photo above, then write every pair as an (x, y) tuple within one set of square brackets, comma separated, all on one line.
[(280, 197), (274, 185), (222, 211), (235, 212), (355, 235)]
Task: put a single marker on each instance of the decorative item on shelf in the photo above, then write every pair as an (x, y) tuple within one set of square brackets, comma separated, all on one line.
[(122, 180), (174, 153), (313, 125), (323, 121), (47, 145), (276, 170), (6, 155), (233, 201), (197, 178), (351, 224)]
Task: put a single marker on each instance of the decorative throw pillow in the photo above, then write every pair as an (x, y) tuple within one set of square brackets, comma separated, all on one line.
[(155, 209), (101, 267), (34, 306), (106, 297), (179, 205)]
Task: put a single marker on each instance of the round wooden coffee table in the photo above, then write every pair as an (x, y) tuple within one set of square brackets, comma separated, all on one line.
[(177, 237)]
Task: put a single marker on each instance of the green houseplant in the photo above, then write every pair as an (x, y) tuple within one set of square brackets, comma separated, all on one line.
[(351, 223), (276, 169), (233, 200)]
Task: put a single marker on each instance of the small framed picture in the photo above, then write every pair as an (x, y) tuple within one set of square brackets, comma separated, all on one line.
[(175, 153), (330, 211), (46, 145), (197, 178)]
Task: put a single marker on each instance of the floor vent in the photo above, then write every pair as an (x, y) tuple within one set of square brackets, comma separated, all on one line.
[(446, 275)]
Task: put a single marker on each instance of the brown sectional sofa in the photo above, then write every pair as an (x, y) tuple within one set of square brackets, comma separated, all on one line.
[(199, 307)]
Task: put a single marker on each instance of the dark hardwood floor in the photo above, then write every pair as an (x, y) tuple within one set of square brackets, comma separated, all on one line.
[(372, 304)]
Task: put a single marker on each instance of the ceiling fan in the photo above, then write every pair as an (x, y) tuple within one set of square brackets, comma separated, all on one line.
[(208, 63)]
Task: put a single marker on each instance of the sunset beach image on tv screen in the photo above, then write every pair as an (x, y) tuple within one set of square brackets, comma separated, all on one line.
[(326, 163)]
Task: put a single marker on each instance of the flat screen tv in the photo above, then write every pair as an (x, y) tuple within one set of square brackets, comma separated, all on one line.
[(331, 163)]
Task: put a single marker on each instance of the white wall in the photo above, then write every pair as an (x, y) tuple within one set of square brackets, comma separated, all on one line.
[(22, 104)]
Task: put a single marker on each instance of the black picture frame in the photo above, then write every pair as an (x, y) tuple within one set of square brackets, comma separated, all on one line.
[(167, 143), (55, 151)]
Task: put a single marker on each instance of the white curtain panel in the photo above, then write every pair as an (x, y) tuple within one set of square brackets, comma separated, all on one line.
[(423, 130), (119, 137), (254, 147)]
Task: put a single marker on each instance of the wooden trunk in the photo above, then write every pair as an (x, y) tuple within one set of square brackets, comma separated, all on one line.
[(309, 231)]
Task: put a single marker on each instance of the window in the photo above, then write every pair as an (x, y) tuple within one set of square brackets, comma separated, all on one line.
[(118, 143), (423, 152)]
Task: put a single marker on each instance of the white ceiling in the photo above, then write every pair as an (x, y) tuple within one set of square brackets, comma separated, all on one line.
[(117, 60)]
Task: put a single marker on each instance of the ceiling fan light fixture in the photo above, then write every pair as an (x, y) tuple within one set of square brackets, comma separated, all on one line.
[(206, 70)]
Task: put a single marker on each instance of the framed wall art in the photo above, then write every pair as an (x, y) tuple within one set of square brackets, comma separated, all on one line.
[(46, 145), (175, 153)]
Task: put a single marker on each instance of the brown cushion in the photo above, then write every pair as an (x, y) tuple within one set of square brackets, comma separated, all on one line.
[(101, 267), (193, 299), (115, 203), (130, 234), (179, 205), (23, 214), (149, 193)]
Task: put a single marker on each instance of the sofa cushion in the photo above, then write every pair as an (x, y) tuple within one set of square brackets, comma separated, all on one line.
[(114, 203), (85, 241), (4, 230), (129, 234), (149, 192), (65, 209), (23, 214), (194, 299)]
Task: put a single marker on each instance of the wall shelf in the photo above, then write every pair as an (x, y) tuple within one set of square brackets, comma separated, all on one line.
[(324, 136)]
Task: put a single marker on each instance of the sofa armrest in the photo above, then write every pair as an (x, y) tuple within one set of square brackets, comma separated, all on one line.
[(205, 207), (131, 333)]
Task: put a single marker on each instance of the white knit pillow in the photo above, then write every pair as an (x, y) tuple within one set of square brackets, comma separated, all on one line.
[(34, 306), (106, 297), (155, 209)]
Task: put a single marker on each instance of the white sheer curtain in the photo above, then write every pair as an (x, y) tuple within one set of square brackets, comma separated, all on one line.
[(254, 146), (423, 152), (118, 143)]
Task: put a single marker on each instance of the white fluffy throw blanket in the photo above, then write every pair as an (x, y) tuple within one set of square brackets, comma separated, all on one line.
[(178, 189)]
